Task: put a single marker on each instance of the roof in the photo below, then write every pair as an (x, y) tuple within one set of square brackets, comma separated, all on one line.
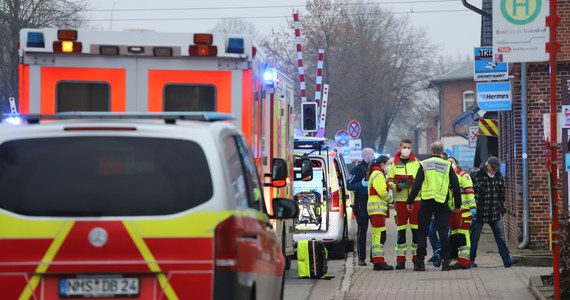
[(463, 72)]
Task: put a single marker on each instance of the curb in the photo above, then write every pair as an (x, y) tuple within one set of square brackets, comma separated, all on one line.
[(539, 291)]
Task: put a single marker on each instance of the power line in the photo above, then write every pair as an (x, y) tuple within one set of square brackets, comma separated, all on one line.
[(277, 17), (262, 6)]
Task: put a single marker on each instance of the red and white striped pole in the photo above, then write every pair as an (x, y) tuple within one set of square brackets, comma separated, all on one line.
[(323, 121), (297, 26), (319, 82)]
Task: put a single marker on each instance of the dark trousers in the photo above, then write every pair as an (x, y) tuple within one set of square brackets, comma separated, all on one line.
[(441, 213), (361, 213)]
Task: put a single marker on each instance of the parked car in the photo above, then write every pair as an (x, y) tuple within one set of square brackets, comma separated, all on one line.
[(152, 206), (325, 211)]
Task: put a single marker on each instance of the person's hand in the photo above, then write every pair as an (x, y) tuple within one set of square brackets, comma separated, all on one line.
[(403, 185), (473, 212), (410, 207), (364, 182)]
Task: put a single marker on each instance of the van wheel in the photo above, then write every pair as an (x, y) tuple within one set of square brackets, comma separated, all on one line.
[(337, 250)]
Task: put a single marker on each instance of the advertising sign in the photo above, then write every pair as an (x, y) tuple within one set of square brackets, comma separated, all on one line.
[(519, 30), (485, 69), (494, 96)]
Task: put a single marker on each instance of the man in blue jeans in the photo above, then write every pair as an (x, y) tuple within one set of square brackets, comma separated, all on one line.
[(435, 243), (489, 189)]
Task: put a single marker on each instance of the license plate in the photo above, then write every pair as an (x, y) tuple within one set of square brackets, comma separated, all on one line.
[(93, 287)]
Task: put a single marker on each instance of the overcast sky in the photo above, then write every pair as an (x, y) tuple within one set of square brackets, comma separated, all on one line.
[(448, 23)]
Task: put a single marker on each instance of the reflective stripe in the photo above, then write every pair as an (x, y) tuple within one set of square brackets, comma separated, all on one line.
[(403, 227), (400, 252), (378, 254), (414, 226), (46, 260), (377, 210)]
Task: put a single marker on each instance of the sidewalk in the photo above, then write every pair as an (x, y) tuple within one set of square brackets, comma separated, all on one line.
[(489, 281)]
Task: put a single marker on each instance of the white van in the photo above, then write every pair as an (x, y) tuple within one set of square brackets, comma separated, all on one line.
[(325, 211)]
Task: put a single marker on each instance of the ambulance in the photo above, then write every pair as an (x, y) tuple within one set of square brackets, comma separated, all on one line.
[(64, 70), (325, 203)]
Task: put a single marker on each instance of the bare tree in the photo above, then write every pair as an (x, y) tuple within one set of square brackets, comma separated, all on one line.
[(237, 26), (18, 14), (376, 64)]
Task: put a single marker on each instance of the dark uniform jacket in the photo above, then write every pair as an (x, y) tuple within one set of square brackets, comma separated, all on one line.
[(357, 174)]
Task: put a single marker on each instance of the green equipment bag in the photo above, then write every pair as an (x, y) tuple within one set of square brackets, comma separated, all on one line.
[(312, 259)]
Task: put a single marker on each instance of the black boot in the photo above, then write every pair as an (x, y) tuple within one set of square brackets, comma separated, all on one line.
[(420, 265), (400, 265), (445, 265), (383, 267)]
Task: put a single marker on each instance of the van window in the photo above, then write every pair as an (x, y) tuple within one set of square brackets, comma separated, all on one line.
[(102, 176), (186, 97), (82, 96)]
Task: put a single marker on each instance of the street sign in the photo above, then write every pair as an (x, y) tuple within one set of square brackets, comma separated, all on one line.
[(473, 131), (519, 30), (485, 69), (342, 137), (354, 129), (494, 96), (565, 116), (465, 156), (355, 149)]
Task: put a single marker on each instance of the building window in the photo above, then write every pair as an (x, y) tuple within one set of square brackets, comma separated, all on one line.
[(468, 100)]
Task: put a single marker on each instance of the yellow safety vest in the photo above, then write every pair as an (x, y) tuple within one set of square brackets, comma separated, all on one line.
[(378, 195), (467, 193), (436, 179), (409, 168)]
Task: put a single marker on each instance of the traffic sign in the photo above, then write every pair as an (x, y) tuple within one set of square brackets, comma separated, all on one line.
[(354, 129), (342, 138), (519, 30), (355, 149), (485, 69), (494, 96), (473, 132)]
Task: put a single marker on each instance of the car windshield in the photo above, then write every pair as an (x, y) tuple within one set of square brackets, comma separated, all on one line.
[(102, 176)]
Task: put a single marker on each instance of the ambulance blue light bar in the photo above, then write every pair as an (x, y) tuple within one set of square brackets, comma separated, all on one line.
[(235, 45), (35, 40), (13, 119), (168, 117)]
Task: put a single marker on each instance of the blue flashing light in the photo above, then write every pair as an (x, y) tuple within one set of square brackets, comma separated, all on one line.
[(269, 76), (35, 40), (13, 119), (235, 45)]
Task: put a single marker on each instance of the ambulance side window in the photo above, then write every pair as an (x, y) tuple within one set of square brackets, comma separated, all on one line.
[(189, 97), (235, 170), (82, 96)]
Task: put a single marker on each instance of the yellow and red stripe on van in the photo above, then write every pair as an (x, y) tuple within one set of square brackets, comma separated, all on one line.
[(173, 258)]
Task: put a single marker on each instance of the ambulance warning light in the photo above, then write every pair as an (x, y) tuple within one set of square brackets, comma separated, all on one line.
[(67, 46), (269, 77), (235, 45), (309, 116), (67, 35), (35, 40)]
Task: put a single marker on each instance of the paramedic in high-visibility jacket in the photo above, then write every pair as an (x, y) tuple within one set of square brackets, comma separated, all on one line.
[(460, 222), (378, 200), (401, 176), (433, 179)]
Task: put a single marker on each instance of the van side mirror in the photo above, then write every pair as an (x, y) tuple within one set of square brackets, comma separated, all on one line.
[(280, 173), (306, 169), (284, 209)]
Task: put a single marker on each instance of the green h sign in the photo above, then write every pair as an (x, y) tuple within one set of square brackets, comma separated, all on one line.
[(520, 12)]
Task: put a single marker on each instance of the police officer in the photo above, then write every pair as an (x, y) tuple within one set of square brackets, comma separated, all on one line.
[(359, 185), (433, 179)]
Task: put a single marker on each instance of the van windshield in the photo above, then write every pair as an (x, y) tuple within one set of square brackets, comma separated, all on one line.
[(102, 176)]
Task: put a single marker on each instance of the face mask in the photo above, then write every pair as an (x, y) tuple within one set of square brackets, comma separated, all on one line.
[(491, 174), (406, 152), (386, 169), (369, 159), (454, 167)]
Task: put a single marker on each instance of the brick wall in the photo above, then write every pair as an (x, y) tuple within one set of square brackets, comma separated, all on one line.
[(453, 103), (510, 144)]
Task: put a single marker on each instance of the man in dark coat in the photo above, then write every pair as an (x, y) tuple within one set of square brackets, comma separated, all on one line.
[(489, 188), (358, 184)]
